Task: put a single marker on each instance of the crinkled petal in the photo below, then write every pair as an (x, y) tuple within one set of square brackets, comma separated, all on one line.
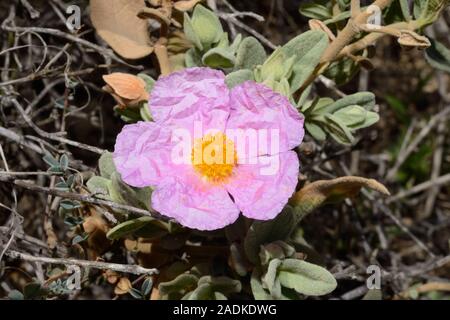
[(262, 190), (189, 96), (194, 204), (142, 153), (257, 111)]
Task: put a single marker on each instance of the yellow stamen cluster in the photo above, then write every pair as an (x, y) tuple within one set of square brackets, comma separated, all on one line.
[(214, 157)]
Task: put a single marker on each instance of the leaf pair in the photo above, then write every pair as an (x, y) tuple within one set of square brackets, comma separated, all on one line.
[(341, 118)]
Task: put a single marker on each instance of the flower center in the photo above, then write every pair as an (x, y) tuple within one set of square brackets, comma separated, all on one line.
[(214, 157)]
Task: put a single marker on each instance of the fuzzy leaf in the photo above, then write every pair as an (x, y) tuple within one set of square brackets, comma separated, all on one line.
[(306, 278), (317, 193), (97, 185), (106, 165), (315, 131), (262, 232), (237, 77), (184, 281), (307, 48), (438, 56), (128, 227), (315, 11), (117, 23), (250, 54), (218, 58), (259, 293), (206, 26)]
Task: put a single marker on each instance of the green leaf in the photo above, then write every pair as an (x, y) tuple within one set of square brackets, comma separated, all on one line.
[(237, 77), (315, 131), (202, 292), (404, 5), (428, 11), (373, 294), (262, 232), (184, 282), (206, 26), (106, 165), (270, 279), (33, 290), (315, 11), (259, 293), (135, 293), (190, 33), (342, 71), (306, 278), (250, 54), (351, 115), (371, 119), (97, 185), (149, 81), (64, 162), (147, 286), (219, 58), (307, 48), (50, 160), (193, 58), (338, 130), (15, 295), (123, 193), (362, 99), (222, 284), (438, 56), (128, 227)]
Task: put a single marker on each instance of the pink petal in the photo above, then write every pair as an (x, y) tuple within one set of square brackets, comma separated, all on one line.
[(142, 153), (255, 106), (263, 196), (195, 204), (194, 94)]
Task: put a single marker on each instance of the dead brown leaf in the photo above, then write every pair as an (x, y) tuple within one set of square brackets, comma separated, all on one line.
[(123, 287), (117, 23)]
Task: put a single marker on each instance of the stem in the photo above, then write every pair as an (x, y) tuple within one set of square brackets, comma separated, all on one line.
[(163, 56), (350, 31), (126, 268)]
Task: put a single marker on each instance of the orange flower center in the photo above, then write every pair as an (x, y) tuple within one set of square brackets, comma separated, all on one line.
[(214, 157)]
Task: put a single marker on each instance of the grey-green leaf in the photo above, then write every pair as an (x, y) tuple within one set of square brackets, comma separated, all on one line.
[(315, 11), (237, 77), (262, 232), (183, 282), (128, 227), (308, 48), (219, 58), (306, 278), (97, 185), (106, 165), (249, 54), (438, 56), (315, 131)]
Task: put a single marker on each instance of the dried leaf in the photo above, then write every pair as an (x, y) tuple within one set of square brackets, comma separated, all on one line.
[(315, 24), (409, 38), (319, 192), (185, 5), (117, 23), (123, 287), (127, 86)]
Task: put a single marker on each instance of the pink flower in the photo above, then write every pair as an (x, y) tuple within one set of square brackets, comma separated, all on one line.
[(260, 172)]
